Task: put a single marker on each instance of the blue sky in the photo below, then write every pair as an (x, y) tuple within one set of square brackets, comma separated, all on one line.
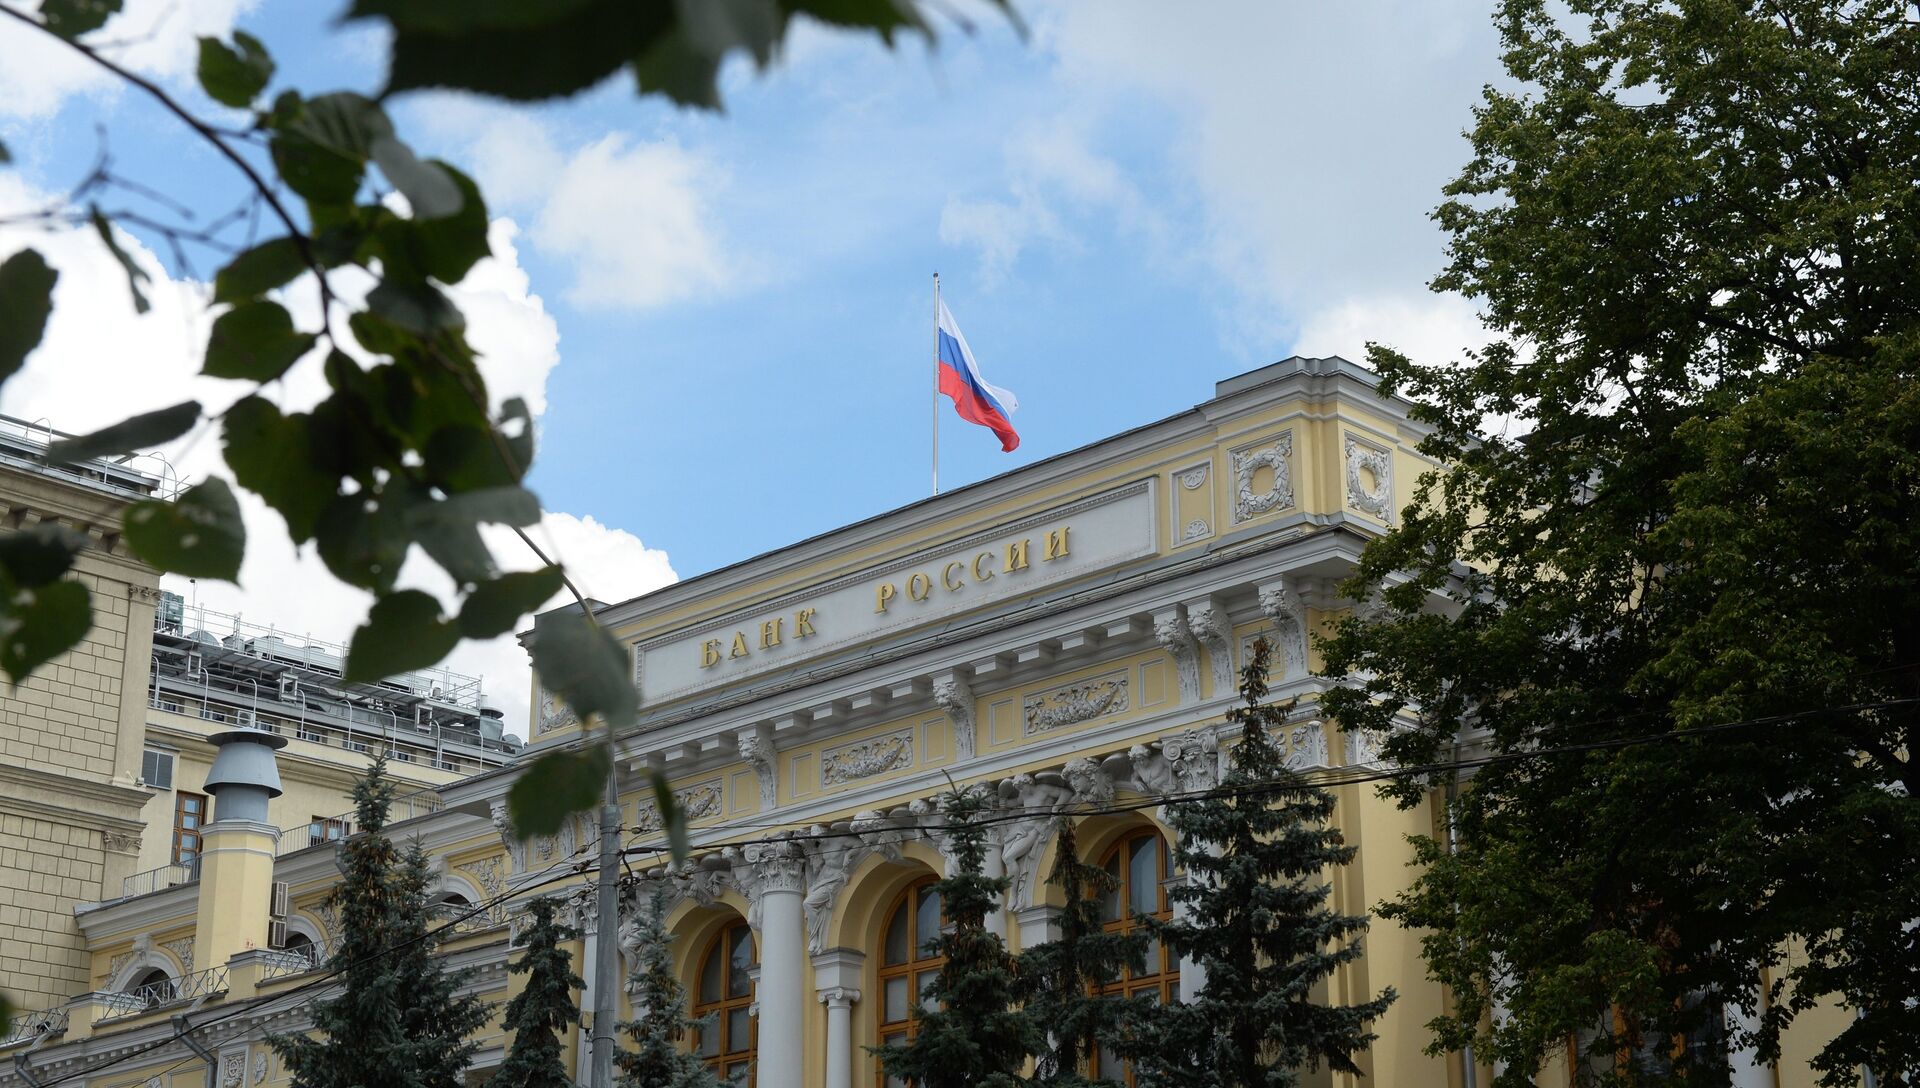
[(727, 318)]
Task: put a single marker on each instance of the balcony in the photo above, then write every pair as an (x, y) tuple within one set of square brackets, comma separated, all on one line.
[(29, 1026), (162, 992)]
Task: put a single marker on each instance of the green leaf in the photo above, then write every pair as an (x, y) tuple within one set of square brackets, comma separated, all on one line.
[(255, 341), (272, 455), (578, 47), (418, 308), (321, 146), (39, 624), (404, 631), (463, 457), (72, 18), (143, 431), (464, 16), (259, 270), (26, 299), (556, 786), (496, 606), (6, 157), (516, 423), (363, 538), (444, 248), (449, 528), (199, 535), (673, 818), (137, 277), (234, 77), (681, 70), (585, 667), (430, 192), (38, 555)]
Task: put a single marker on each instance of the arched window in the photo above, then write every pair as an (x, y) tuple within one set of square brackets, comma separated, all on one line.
[(907, 963), (1141, 863), (726, 994), (152, 988), (301, 945)]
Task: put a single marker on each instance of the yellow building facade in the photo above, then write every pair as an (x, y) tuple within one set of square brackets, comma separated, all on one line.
[(1065, 637)]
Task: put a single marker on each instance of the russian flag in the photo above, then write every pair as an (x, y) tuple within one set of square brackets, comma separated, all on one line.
[(975, 400)]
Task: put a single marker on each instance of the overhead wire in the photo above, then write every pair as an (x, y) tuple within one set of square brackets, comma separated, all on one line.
[(1326, 778)]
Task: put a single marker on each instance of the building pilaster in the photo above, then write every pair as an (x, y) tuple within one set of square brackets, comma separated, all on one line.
[(775, 883)]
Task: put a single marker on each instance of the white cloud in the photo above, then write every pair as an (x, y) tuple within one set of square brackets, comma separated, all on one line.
[(1314, 138), (152, 37), (1429, 329), (636, 221), (1054, 179), (100, 362)]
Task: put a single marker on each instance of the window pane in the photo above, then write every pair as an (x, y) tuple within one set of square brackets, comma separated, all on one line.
[(1143, 875), (1153, 961), (710, 976), (926, 921), (897, 935), (739, 982), (895, 1007), (709, 1046), (1110, 908), (739, 1030), (738, 1072)]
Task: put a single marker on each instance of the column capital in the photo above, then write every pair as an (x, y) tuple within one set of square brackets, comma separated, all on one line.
[(838, 997)]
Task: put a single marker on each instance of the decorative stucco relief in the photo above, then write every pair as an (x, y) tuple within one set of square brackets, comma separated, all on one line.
[(1369, 479), (699, 801), (851, 762), (554, 713), (954, 695), (1075, 703), (1251, 502)]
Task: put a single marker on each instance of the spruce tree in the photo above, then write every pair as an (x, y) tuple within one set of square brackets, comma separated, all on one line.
[(1059, 979), (545, 1007), (1256, 853), (660, 1022), (398, 1020), (969, 1031)]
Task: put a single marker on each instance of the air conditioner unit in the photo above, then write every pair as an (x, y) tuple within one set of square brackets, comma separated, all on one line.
[(279, 907), (277, 932)]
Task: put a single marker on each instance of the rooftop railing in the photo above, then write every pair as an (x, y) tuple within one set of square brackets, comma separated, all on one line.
[(167, 991), (28, 1026), (160, 879)]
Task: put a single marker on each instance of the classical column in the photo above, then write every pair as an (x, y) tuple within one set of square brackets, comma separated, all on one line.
[(775, 882), (836, 982), (1747, 1069)]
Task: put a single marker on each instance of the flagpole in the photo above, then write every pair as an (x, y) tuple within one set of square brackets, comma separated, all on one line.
[(936, 383)]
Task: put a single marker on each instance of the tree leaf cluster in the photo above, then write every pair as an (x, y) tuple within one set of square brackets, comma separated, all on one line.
[(528, 52), (1692, 228), (407, 450), (1253, 912), (399, 1017), (661, 1029), (970, 1028), (543, 1010)]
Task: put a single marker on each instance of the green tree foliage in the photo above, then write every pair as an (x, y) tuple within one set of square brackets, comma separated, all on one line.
[(1692, 226), (970, 1031), (1258, 854), (407, 450), (660, 1028), (1058, 979), (541, 1012), (399, 1020)]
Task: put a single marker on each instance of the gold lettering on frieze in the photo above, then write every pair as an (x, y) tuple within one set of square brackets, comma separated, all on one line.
[(947, 577), (980, 575), (770, 632), (803, 622), (1017, 555), (882, 595), (710, 653), (739, 645), (919, 587), (1057, 543)]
